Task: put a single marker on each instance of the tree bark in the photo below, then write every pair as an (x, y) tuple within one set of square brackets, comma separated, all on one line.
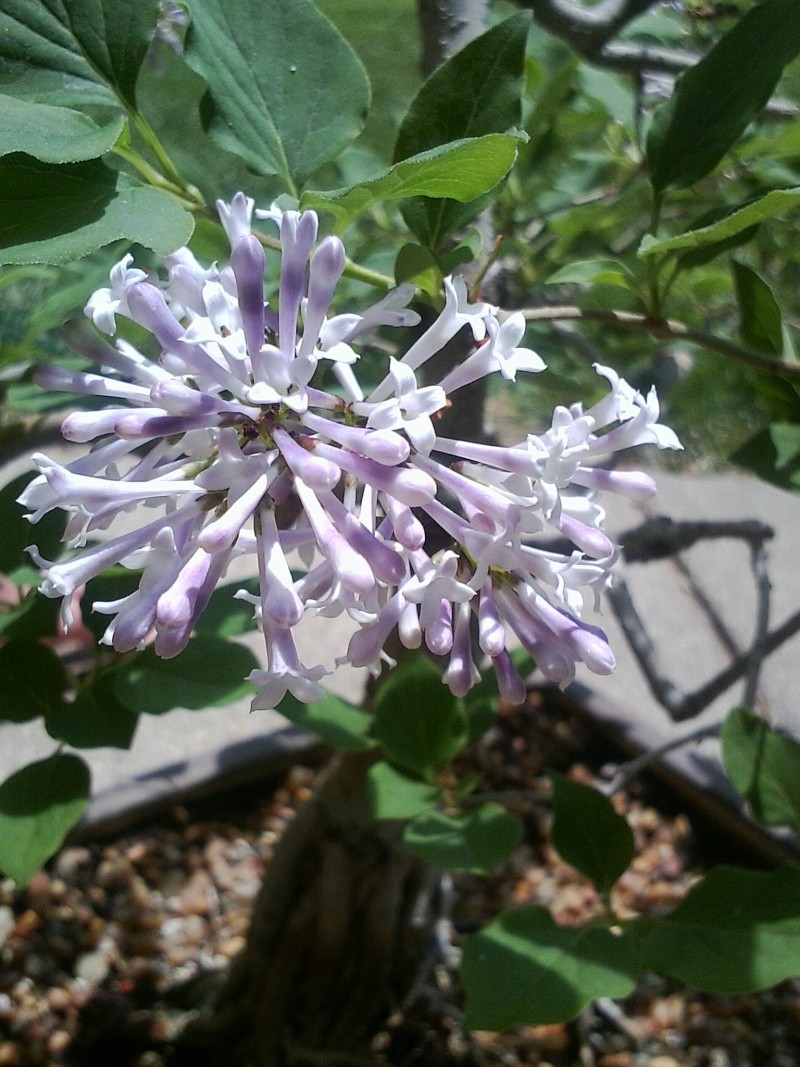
[(341, 926)]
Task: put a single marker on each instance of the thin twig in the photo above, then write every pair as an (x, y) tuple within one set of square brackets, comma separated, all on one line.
[(695, 702), (628, 771), (661, 536), (667, 328), (758, 563), (643, 649)]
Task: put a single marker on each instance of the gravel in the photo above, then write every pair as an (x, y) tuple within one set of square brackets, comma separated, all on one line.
[(109, 951)]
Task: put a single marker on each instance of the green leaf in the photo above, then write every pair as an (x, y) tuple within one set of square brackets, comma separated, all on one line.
[(32, 680), (588, 833), (35, 616), (774, 203), (734, 931), (761, 326), (612, 91), (38, 805), (418, 721), (87, 40), (95, 719), (53, 134), (417, 264), (18, 533), (594, 272), (714, 102), (475, 92), (764, 767), (461, 171), (57, 213), (285, 90), (74, 285), (334, 720), (690, 258), (112, 584), (43, 61), (224, 615), (208, 672), (523, 968), (393, 795), (476, 841), (773, 454)]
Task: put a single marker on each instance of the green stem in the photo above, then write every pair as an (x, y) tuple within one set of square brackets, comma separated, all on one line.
[(142, 167), (168, 168), (669, 328), (652, 266)]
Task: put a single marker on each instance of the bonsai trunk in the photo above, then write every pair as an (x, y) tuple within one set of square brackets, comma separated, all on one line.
[(341, 928)]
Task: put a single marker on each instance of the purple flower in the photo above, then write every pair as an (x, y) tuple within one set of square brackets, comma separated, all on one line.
[(236, 446)]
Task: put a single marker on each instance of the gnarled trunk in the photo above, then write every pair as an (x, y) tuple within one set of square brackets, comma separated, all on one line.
[(342, 924)]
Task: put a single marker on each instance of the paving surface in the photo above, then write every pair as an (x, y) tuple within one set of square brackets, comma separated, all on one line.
[(169, 750)]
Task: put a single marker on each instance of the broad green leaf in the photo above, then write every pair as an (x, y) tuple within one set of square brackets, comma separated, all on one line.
[(613, 92), (461, 171), (113, 584), (736, 930), (523, 968), (417, 264), (170, 95), (764, 767), (41, 60), (475, 92), (38, 805), (53, 134), (393, 795), (661, 26), (35, 616), (760, 325), (481, 701), (420, 724), (208, 672), (476, 841), (777, 202), (469, 248), (227, 616), (690, 258), (773, 454), (334, 720), (32, 680), (57, 213), (594, 272), (86, 40), (95, 719), (285, 90), (67, 297), (18, 533), (588, 833), (715, 101)]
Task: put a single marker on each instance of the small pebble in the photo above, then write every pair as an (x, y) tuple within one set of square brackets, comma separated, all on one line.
[(93, 967), (10, 1054), (6, 923)]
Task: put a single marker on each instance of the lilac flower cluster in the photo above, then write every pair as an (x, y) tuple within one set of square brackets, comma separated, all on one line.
[(228, 438)]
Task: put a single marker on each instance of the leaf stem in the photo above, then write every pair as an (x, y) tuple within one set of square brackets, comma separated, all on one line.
[(652, 266), (168, 168), (666, 328)]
